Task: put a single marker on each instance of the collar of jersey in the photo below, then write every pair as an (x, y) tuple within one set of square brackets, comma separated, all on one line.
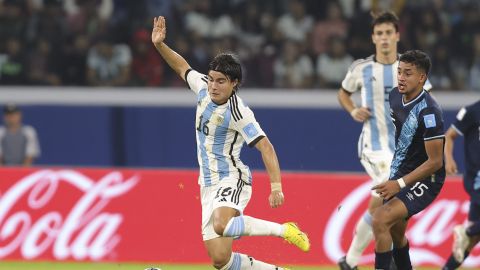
[(413, 100)]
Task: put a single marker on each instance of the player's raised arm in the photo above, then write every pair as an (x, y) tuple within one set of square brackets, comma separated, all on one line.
[(173, 59)]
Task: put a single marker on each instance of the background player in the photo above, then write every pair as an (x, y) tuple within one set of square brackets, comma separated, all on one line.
[(417, 172), (375, 78), (467, 124), (223, 124)]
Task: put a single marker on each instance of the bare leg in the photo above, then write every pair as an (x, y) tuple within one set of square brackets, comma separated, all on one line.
[(383, 220)]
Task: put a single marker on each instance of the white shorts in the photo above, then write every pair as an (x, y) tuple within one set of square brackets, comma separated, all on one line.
[(377, 164), (234, 194)]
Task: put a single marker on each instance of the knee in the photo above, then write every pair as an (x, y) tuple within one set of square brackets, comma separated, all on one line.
[(219, 225), (220, 258), (378, 222)]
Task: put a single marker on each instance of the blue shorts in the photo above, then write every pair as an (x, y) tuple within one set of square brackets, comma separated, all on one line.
[(418, 197)]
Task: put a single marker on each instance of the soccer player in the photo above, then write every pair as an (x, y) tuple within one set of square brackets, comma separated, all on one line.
[(467, 125), (417, 172), (223, 124), (375, 78)]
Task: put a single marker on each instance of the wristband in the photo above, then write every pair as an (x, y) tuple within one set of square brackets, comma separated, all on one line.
[(401, 183), (276, 186), (353, 111)]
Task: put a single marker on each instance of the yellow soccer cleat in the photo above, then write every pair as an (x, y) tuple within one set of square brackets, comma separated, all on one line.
[(294, 236)]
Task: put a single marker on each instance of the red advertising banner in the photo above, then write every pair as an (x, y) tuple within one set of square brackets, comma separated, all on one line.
[(155, 215)]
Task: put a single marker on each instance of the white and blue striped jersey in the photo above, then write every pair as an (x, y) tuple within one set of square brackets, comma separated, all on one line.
[(375, 81), (221, 131)]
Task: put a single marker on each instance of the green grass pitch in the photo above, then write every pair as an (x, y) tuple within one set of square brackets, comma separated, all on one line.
[(11, 265)]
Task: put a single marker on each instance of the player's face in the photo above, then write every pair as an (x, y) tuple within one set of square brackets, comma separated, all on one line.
[(410, 78), (13, 119), (385, 38), (220, 87)]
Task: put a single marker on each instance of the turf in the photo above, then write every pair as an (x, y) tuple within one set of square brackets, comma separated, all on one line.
[(132, 266)]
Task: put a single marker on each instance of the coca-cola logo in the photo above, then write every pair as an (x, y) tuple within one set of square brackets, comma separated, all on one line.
[(428, 231), (86, 232)]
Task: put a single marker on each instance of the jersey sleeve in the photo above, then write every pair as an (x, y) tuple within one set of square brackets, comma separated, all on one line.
[(2, 135), (245, 122), (196, 81), (428, 85), (350, 82), (431, 120), (32, 148), (464, 121)]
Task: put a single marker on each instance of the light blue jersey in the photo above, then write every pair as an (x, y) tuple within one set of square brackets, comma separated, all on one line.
[(375, 81), (221, 131)]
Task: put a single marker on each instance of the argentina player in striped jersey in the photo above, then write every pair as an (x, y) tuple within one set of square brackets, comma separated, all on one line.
[(374, 77), (223, 124), (417, 172)]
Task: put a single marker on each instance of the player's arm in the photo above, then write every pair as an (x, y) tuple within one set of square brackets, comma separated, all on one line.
[(32, 149), (173, 59), (450, 164), (272, 166), (28, 161), (434, 149), (359, 114)]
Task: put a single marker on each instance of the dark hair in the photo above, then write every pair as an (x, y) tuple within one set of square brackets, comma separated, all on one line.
[(385, 17), (229, 65), (418, 58)]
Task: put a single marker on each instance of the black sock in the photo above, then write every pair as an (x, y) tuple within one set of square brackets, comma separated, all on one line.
[(402, 257), (383, 260), (473, 229), (452, 263)]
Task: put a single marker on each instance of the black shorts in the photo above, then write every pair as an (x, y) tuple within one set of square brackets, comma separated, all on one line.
[(474, 211), (418, 197)]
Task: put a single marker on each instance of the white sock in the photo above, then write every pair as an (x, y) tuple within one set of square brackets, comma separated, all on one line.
[(246, 225), (240, 261), (363, 236), (230, 262)]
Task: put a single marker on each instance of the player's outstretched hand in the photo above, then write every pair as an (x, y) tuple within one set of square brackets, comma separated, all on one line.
[(387, 189), (159, 30), (360, 114), (276, 198)]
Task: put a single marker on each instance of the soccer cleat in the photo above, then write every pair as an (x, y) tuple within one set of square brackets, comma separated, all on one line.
[(460, 242), (294, 236), (342, 263)]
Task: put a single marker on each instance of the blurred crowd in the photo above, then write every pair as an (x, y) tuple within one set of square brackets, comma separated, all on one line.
[(295, 44)]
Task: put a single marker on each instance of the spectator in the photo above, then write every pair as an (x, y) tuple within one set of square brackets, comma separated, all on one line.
[(147, 66), (201, 20), (108, 64), (13, 66), (18, 143), (293, 69), (295, 24), (88, 17), (74, 66), (333, 25), (441, 75), (333, 64), (12, 18), (474, 82), (44, 65)]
